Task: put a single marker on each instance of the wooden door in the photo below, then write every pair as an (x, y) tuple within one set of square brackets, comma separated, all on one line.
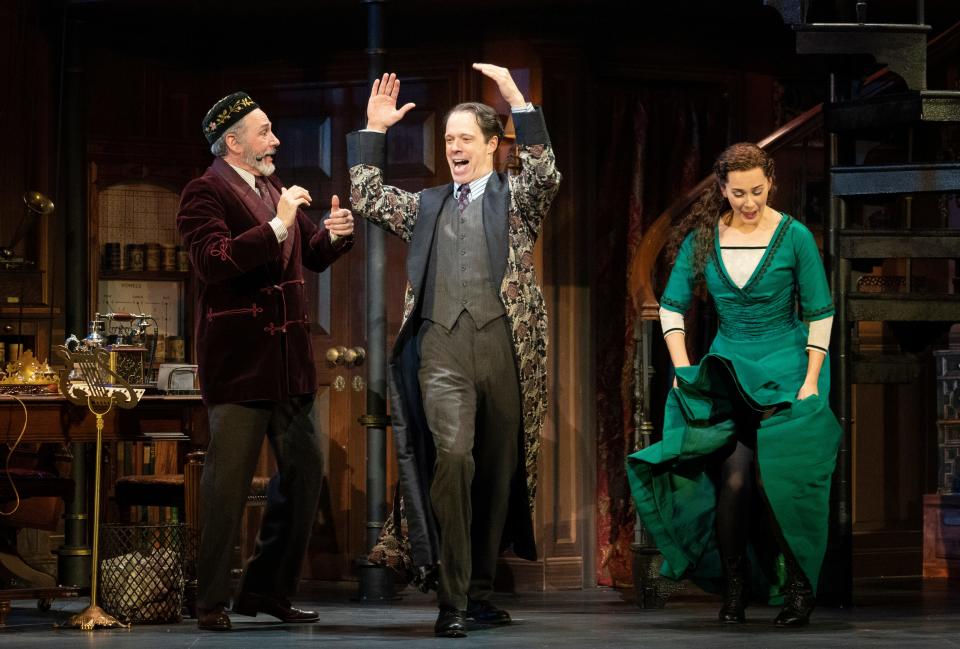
[(312, 121)]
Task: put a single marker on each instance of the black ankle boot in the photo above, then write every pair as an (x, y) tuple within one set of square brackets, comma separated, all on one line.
[(798, 598), (735, 572)]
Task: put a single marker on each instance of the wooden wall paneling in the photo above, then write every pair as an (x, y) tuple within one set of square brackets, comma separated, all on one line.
[(564, 502), (115, 113), (571, 119), (28, 74), (569, 564)]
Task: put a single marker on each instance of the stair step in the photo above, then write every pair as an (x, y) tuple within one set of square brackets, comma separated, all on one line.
[(885, 368), (895, 109), (894, 179), (884, 29), (902, 48), (926, 307), (888, 244), (790, 10)]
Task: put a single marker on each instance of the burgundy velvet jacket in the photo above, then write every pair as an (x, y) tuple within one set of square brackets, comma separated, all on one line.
[(252, 329)]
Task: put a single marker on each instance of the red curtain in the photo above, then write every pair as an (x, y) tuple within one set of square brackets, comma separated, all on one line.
[(659, 140)]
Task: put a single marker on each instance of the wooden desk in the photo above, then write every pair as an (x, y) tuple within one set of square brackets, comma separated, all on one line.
[(54, 419)]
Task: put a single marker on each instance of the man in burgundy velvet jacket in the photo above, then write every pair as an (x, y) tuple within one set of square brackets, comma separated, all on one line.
[(248, 241)]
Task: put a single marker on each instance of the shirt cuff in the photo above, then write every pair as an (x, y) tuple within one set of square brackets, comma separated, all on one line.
[(671, 322), (333, 237), (819, 337), (279, 229), (523, 109)]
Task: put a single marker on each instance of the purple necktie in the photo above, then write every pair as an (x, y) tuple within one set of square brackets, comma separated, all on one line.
[(463, 198), (261, 184), (265, 195)]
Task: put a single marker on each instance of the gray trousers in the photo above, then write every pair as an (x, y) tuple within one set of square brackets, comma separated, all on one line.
[(471, 398), (236, 436)]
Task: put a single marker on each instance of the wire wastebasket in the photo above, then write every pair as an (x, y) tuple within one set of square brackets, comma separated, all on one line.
[(143, 568)]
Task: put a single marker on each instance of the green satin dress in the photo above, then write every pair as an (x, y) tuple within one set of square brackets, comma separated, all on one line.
[(757, 362)]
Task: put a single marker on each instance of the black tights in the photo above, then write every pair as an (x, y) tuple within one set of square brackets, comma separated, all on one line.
[(738, 501), (735, 501)]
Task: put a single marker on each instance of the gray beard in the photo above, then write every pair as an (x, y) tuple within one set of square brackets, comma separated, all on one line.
[(265, 168)]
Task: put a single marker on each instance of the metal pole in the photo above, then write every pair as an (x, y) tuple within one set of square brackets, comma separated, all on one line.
[(376, 582), (73, 564), (842, 494)]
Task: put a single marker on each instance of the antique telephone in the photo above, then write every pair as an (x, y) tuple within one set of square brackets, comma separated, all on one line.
[(126, 338), (132, 349)]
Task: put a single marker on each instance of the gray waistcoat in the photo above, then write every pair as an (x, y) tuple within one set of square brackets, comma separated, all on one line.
[(458, 273)]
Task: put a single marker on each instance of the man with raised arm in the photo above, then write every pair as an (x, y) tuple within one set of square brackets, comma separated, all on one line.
[(468, 372)]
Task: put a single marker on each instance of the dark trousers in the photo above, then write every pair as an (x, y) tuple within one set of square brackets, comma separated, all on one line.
[(236, 436), (471, 398)]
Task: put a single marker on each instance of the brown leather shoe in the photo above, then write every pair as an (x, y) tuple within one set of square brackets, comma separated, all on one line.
[(279, 607), (213, 620)]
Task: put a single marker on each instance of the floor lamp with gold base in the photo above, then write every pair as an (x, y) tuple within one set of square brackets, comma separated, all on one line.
[(100, 390)]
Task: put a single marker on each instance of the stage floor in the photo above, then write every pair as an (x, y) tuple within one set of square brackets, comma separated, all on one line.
[(894, 613)]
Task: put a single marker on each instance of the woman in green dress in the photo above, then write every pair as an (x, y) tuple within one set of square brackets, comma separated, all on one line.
[(749, 441)]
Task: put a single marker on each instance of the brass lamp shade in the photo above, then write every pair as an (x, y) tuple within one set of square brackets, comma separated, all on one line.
[(37, 202)]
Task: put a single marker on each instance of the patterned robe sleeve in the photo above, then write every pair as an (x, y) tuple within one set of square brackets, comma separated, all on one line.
[(533, 189), (390, 208), (816, 303)]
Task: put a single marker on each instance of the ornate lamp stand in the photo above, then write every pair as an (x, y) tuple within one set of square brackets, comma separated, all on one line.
[(100, 389)]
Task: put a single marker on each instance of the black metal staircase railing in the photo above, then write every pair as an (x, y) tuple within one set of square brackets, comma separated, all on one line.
[(903, 49)]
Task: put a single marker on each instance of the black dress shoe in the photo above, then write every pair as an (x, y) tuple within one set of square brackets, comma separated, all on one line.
[(451, 623), (483, 612), (213, 620), (279, 607)]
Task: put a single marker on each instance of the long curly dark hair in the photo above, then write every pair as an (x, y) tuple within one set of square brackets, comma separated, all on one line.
[(712, 204)]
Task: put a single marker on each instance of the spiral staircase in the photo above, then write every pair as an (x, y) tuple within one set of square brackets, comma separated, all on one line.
[(904, 180)]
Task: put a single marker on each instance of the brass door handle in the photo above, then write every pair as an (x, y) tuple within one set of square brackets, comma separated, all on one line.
[(335, 355), (351, 357), (355, 356)]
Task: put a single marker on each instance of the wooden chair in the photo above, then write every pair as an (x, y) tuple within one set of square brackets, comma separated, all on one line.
[(30, 483), (183, 491), (180, 490)]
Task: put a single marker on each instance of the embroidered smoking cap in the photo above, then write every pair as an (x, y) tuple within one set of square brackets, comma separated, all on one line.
[(225, 113)]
